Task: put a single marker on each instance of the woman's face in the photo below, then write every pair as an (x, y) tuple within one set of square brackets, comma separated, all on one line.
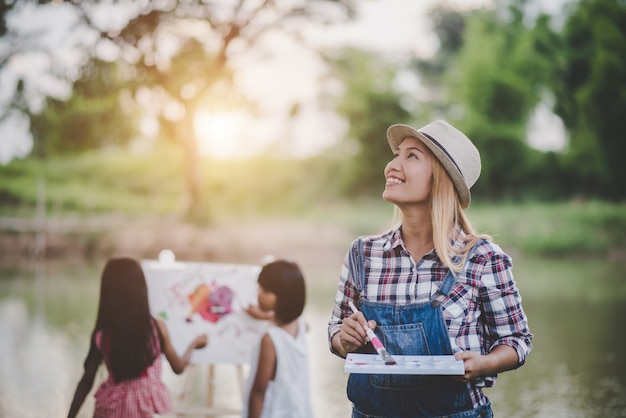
[(409, 174)]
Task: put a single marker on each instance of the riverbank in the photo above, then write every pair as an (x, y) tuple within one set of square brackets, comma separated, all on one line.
[(98, 237), (567, 229)]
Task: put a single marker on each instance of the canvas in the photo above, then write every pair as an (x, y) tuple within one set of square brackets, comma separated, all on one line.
[(194, 298)]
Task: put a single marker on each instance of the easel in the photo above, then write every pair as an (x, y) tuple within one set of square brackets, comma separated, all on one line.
[(241, 330), (210, 410)]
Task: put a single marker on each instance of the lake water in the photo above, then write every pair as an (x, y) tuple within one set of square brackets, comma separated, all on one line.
[(576, 308)]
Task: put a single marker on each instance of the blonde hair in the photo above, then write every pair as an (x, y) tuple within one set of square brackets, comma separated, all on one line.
[(447, 216)]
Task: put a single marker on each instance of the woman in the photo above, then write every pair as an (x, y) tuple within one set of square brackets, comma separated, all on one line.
[(430, 286)]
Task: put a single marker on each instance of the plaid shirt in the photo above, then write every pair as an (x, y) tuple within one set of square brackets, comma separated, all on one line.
[(482, 311)]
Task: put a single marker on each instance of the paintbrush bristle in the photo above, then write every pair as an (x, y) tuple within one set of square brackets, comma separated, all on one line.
[(387, 359)]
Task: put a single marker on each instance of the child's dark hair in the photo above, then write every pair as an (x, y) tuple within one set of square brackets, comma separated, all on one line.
[(124, 319), (285, 280)]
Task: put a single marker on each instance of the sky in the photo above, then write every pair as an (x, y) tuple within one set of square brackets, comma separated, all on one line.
[(398, 28)]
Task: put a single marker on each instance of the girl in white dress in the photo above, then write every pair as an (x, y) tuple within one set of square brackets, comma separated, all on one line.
[(278, 385)]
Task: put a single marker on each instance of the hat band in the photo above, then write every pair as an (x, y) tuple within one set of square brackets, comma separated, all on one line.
[(434, 141)]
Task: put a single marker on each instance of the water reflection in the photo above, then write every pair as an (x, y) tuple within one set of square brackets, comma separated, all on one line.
[(37, 359), (577, 368)]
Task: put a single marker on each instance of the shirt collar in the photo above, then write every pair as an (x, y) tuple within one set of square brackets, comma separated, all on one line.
[(395, 239), (459, 239)]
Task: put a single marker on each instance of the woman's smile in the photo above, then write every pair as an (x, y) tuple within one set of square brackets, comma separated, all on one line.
[(391, 180)]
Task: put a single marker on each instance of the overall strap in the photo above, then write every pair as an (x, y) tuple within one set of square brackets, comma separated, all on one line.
[(356, 265), (451, 277), (448, 282)]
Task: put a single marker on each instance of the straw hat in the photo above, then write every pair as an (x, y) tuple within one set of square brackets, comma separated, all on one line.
[(453, 149)]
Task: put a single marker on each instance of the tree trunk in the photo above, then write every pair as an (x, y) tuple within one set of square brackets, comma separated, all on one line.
[(194, 207)]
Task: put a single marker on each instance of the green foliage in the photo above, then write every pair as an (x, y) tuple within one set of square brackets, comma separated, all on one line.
[(116, 181), (449, 25), (360, 216), (496, 80), (491, 70), (592, 228), (592, 95), (370, 105), (173, 60), (263, 185), (268, 187), (96, 182), (92, 118)]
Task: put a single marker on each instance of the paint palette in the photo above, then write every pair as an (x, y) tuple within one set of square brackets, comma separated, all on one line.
[(372, 364)]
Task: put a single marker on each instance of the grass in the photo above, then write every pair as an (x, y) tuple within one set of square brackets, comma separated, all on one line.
[(551, 229), (555, 229), (116, 182)]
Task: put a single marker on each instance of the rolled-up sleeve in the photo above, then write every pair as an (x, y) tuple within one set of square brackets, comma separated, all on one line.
[(346, 291), (504, 318)]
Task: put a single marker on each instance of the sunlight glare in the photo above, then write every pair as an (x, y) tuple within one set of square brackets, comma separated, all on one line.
[(218, 133)]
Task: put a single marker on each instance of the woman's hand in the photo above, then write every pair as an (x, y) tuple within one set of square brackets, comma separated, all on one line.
[(473, 363), (500, 359), (352, 335)]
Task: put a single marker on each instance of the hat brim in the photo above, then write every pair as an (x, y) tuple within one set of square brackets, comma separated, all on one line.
[(399, 132)]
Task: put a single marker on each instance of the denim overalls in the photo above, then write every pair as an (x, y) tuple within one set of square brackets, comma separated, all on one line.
[(411, 329)]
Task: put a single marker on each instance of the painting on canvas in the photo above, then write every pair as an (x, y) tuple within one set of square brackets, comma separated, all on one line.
[(195, 298)]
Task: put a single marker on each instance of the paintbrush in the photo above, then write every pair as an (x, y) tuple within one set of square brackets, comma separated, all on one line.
[(378, 345)]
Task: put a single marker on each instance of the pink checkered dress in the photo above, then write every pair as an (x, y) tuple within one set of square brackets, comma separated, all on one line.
[(137, 398)]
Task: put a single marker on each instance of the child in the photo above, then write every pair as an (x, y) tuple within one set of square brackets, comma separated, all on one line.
[(278, 385), (130, 343)]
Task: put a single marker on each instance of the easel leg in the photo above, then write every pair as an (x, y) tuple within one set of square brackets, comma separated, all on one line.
[(190, 374), (242, 383), (211, 390), (184, 408), (211, 387)]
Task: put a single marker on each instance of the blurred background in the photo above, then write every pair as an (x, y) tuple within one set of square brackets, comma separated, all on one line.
[(230, 130)]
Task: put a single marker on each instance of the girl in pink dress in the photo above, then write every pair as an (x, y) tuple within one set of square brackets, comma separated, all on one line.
[(130, 342)]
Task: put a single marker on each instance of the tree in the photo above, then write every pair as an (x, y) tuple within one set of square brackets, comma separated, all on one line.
[(591, 95), (34, 64), (92, 118), (179, 54), (490, 88), (370, 103), (449, 25)]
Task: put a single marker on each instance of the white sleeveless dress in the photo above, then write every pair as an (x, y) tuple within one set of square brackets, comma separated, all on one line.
[(288, 395)]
